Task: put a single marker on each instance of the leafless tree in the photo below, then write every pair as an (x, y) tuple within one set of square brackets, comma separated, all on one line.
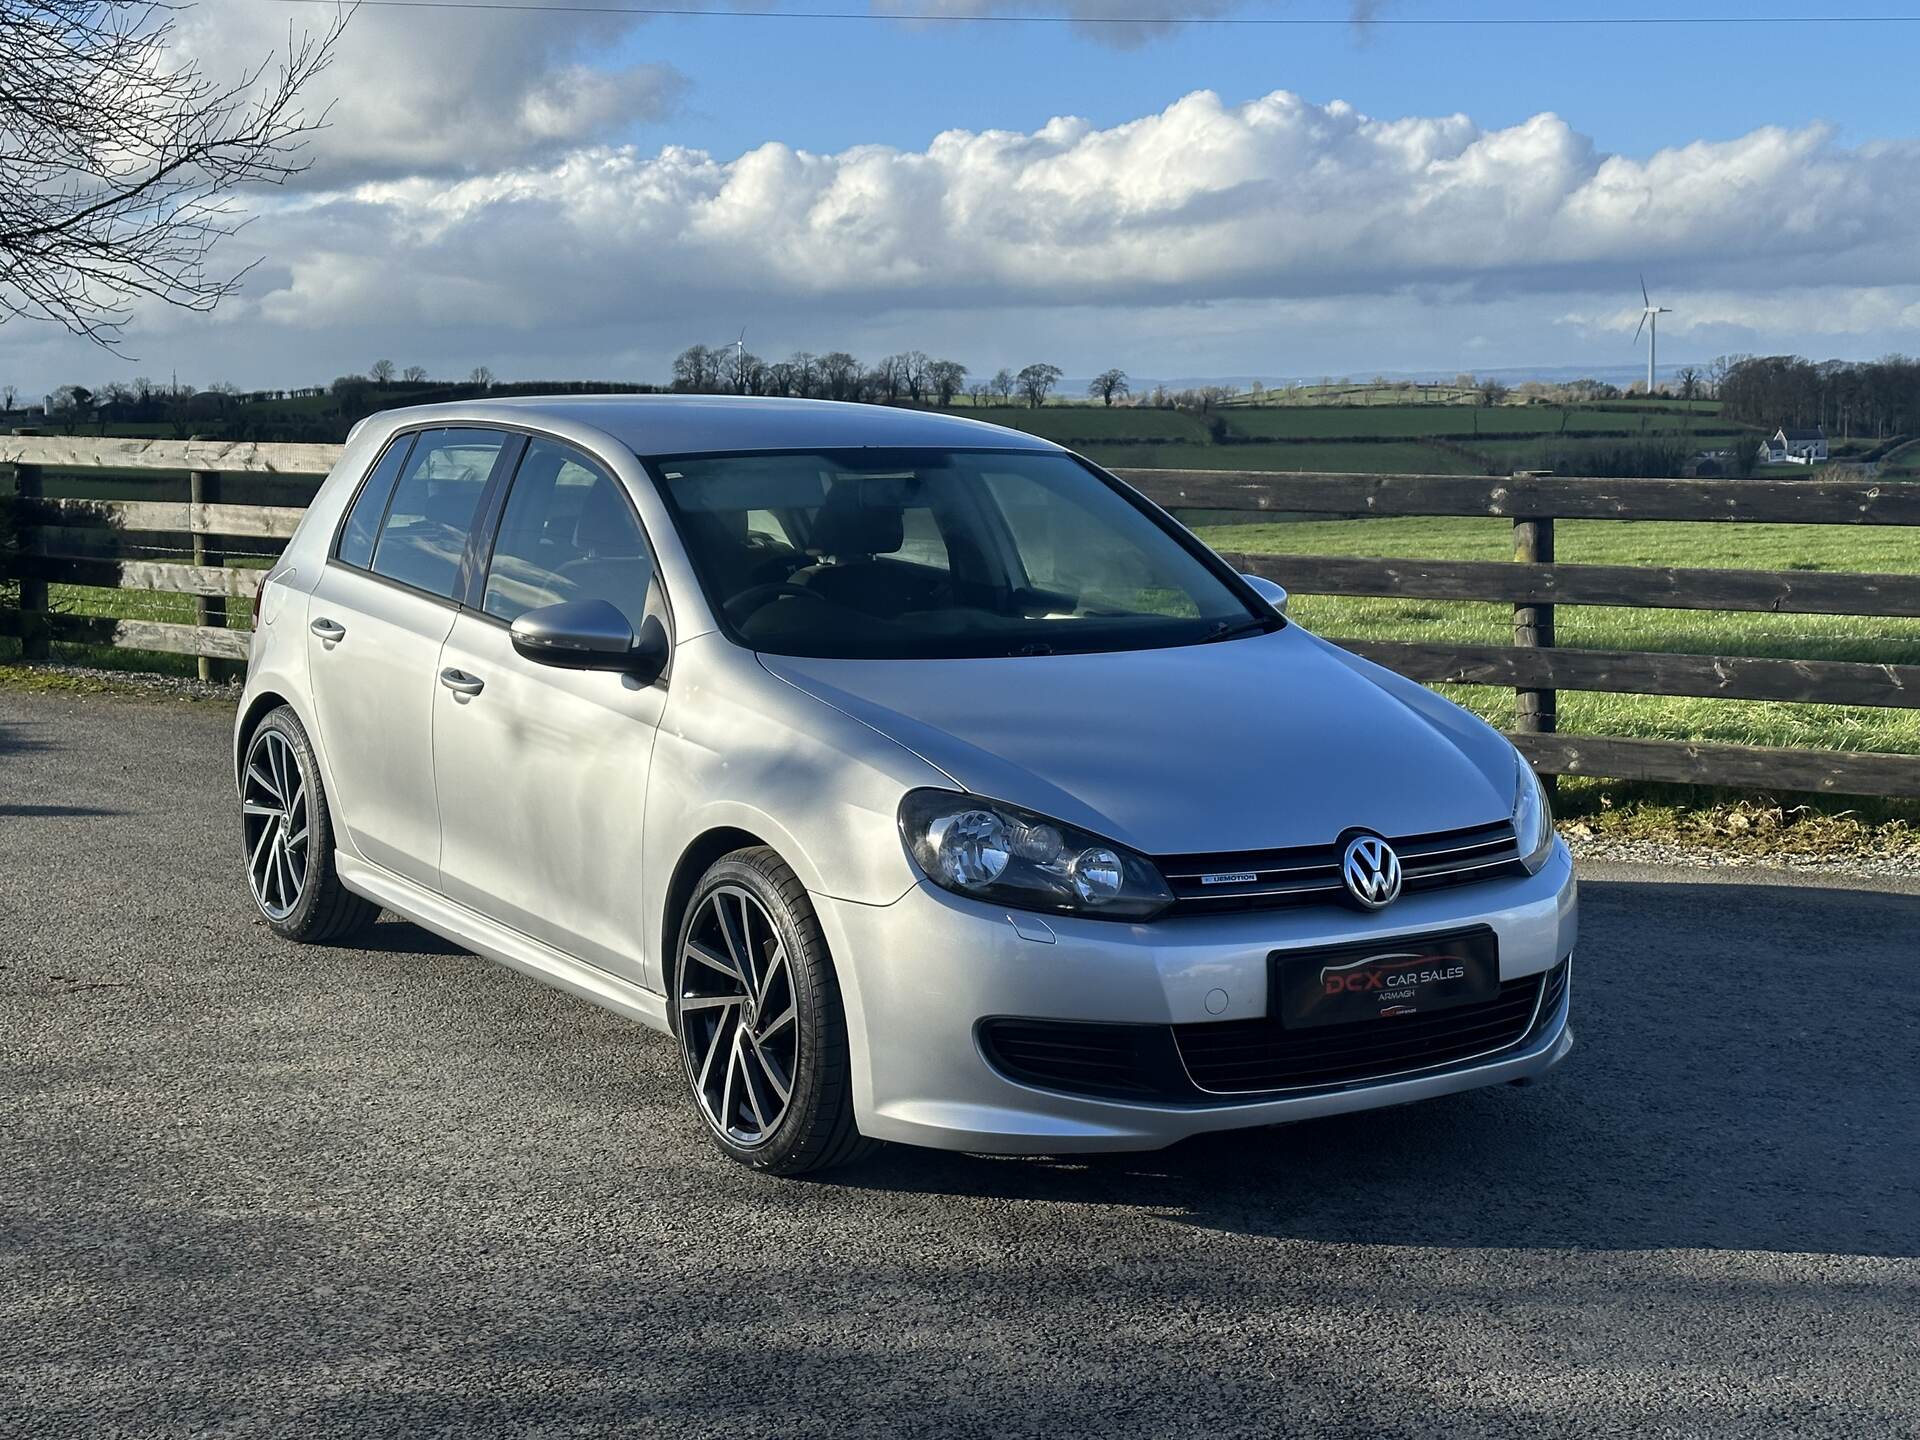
[(119, 159), (1035, 381), (1002, 384), (889, 378), (382, 372), (1109, 385), (1689, 378), (913, 374), (944, 379), (744, 371), (8, 394), (803, 375), (414, 374), (839, 375), (481, 377)]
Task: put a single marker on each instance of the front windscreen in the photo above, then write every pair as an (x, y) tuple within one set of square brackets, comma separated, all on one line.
[(909, 554)]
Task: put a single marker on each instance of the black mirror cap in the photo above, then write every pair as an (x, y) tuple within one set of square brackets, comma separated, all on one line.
[(591, 635)]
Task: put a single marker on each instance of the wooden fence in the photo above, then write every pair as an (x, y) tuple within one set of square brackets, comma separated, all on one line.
[(89, 542)]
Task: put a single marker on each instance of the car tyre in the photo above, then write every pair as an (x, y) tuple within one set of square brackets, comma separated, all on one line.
[(759, 1019), (286, 830)]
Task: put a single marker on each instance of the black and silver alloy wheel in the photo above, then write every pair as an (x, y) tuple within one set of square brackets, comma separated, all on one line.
[(275, 824), (286, 827), (763, 1035), (739, 1028)]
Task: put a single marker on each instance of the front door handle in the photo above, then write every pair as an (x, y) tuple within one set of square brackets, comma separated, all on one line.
[(462, 683), (328, 629)]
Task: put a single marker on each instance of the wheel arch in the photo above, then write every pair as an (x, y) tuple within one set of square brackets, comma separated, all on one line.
[(261, 706), (695, 860)]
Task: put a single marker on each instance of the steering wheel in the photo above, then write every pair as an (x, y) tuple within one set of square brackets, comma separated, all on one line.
[(749, 600)]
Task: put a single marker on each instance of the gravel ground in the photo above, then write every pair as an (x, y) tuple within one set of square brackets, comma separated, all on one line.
[(1657, 854), (250, 1190)]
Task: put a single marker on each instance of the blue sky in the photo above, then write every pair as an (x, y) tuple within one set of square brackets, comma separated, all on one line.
[(561, 195), (827, 85)]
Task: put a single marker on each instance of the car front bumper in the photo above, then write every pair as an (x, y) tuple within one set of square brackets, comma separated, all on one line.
[(920, 976)]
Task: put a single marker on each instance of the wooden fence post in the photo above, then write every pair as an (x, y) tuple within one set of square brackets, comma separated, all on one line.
[(203, 487), (1536, 712), (35, 628)]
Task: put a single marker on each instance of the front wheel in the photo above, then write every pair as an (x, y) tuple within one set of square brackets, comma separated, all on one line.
[(287, 830), (762, 1032)]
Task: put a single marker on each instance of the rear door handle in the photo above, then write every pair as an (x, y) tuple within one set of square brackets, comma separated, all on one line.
[(328, 629), (462, 683)]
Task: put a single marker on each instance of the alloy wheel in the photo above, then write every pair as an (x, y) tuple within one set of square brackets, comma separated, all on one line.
[(739, 1029), (274, 806)]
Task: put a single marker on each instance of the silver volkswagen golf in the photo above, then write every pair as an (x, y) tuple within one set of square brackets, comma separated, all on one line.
[(922, 780)]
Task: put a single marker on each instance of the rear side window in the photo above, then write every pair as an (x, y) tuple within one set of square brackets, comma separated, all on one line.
[(425, 531), (363, 521), (568, 533)]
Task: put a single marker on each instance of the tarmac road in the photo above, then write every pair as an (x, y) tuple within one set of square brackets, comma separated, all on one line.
[(249, 1189)]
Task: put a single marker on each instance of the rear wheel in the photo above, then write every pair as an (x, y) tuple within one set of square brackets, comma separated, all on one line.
[(287, 831), (763, 1036)]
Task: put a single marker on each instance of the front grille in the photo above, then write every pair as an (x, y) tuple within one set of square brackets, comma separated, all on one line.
[(1197, 1064), (1310, 874), (1238, 1056)]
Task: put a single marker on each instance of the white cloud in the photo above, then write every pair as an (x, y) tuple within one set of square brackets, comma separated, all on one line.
[(425, 91), (1274, 198), (1290, 237)]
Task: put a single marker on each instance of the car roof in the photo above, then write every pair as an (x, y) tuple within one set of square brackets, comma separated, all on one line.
[(685, 424)]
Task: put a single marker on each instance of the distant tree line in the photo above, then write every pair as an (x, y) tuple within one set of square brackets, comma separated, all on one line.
[(911, 377), (1876, 398)]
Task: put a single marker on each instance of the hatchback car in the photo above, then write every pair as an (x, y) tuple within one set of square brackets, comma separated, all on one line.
[(923, 780)]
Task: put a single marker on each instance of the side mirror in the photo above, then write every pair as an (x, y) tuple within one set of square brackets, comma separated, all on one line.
[(591, 635), (1274, 594)]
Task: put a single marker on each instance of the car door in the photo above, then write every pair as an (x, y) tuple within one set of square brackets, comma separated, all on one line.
[(542, 771), (377, 618)]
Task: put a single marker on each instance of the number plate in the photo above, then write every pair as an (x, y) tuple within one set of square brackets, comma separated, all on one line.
[(1382, 980)]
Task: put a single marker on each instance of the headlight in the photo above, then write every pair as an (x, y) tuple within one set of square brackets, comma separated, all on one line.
[(1532, 817), (1011, 856)]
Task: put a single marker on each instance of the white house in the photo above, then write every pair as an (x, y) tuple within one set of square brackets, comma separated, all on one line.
[(1791, 446)]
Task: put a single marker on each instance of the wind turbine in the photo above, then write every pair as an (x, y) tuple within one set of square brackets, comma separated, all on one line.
[(739, 348), (1650, 322)]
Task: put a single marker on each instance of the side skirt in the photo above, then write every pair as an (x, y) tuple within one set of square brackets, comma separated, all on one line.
[(499, 943)]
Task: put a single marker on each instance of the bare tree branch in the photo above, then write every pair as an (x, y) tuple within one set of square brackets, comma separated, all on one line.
[(119, 159)]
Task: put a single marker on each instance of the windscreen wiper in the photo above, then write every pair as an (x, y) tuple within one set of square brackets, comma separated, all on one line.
[(1234, 629)]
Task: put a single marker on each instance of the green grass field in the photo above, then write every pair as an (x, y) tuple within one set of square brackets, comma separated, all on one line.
[(1464, 422), (1430, 439), (1768, 547)]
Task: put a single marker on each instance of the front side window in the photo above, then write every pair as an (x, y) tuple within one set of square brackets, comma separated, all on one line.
[(924, 553), (425, 530), (568, 533)]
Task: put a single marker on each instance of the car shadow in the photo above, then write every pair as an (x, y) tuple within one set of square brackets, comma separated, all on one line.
[(1743, 1078), (391, 935)]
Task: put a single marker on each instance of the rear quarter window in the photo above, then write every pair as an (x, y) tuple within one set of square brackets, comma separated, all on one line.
[(363, 520)]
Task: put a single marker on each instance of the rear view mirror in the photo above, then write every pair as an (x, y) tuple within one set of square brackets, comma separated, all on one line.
[(1273, 593), (591, 635)]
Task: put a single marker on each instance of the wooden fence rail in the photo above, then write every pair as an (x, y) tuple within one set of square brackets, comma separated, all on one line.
[(174, 545)]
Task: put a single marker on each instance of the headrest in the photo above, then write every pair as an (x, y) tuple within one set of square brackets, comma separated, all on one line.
[(845, 526), (605, 527)]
